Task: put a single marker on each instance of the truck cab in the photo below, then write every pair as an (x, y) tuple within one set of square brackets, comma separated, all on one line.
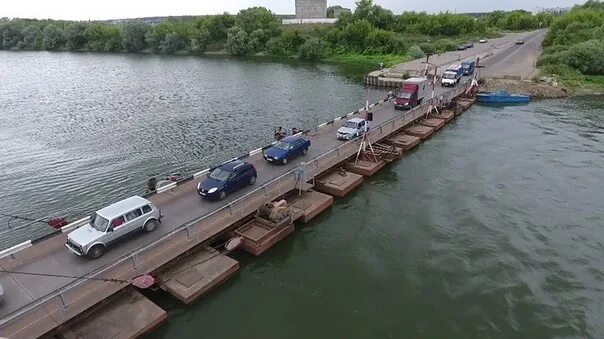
[(411, 94), (452, 76), (468, 67)]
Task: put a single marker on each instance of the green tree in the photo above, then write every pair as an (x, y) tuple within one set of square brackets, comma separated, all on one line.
[(255, 18), (171, 43), (32, 37), (415, 52), (313, 49), (54, 37), (199, 43), (238, 42), (103, 37), (355, 35), (75, 35), (275, 46), (218, 26), (133, 36)]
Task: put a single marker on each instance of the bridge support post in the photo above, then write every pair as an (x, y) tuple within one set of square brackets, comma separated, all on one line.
[(64, 306), (134, 261)]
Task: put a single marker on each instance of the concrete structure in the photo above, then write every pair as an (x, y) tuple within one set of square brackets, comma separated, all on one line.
[(311, 9), (107, 320), (365, 167), (433, 122), (309, 204), (423, 132), (338, 183), (308, 21), (338, 11), (404, 141), (197, 274)]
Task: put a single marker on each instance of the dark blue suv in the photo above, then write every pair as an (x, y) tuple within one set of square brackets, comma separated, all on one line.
[(227, 178)]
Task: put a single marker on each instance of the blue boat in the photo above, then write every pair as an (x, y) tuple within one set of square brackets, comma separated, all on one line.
[(503, 97)]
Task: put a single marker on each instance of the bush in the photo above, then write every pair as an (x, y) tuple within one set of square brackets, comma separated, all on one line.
[(238, 42), (312, 50), (415, 52), (275, 46), (587, 57), (173, 42)]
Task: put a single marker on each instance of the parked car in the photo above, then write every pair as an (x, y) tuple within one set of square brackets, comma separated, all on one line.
[(461, 47), (352, 129), (227, 178), (469, 45), (483, 41), (287, 149), (112, 223), (520, 42)]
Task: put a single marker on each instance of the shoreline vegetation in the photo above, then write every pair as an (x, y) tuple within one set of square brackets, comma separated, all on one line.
[(573, 50), (371, 35)]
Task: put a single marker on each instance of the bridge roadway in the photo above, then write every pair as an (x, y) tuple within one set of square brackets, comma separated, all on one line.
[(180, 206)]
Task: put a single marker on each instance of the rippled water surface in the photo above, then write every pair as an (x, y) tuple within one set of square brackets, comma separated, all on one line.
[(82, 130), (493, 228)]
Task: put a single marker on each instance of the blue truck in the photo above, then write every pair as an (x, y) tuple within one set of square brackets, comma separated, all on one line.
[(468, 67)]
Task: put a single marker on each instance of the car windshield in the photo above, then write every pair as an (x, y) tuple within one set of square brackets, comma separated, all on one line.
[(220, 174), (466, 66), (449, 75), (353, 125), (98, 222), (282, 145), (404, 95)]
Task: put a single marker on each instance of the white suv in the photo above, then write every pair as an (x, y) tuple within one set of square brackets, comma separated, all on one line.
[(352, 129), (111, 223)]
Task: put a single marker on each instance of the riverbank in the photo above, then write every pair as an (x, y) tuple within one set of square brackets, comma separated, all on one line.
[(536, 89)]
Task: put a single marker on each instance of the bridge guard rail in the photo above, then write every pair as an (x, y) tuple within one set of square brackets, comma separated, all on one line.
[(55, 308)]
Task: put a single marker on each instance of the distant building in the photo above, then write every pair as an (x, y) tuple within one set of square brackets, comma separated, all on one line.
[(311, 9), (337, 11)]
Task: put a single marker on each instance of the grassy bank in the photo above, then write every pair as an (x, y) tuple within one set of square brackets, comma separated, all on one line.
[(574, 47)]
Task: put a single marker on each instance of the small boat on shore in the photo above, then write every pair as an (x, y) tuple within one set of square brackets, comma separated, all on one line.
[(502, 97)]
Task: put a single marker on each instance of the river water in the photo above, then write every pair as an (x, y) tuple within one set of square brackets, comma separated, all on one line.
[(81, 130), (493, 228)]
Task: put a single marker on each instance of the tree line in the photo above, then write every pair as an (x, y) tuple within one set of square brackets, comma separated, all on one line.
[(574, 45), (369, 30)]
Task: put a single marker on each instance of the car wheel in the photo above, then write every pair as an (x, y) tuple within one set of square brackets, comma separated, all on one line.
[(304, 151), (96, 251), (150, 226), (252, 181), (284, 161), (221, 195)]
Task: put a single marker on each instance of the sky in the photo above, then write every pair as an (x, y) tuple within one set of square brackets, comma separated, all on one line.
[(116, 9)]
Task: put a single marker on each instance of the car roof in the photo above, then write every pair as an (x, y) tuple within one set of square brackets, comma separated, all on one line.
[(232, 165), (291, 139), (121, 207), (356, 120)]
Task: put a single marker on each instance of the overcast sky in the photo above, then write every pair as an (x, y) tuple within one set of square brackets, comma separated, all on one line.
[(113, 9)]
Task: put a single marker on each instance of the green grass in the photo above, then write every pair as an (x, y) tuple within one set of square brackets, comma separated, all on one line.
[(369, 60)]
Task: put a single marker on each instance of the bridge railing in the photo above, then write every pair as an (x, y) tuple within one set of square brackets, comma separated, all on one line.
[(62, 304)]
